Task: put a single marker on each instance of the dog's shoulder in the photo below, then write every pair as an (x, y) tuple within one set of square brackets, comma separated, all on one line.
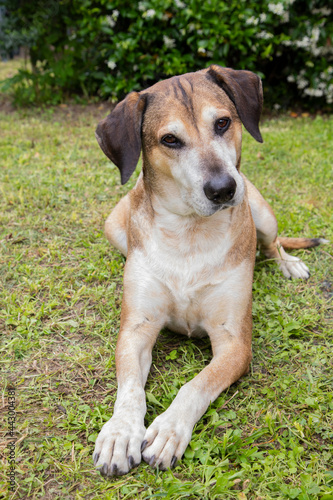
[(141, 214)]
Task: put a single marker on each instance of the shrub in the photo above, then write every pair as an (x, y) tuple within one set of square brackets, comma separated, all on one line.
[(109, 48)]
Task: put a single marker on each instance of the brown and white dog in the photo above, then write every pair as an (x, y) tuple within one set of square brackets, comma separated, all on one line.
[(189, 230)]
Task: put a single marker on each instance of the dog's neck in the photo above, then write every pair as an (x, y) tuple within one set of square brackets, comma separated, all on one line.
[(194, 237)]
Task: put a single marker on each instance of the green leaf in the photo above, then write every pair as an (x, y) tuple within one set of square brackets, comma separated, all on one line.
[(151, 398), (92, 437)]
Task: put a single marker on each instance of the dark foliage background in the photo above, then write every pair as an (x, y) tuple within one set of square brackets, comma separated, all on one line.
[(108, 48)]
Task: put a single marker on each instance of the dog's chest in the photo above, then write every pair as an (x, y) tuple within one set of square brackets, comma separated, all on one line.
[(190, 270), (187, 259)]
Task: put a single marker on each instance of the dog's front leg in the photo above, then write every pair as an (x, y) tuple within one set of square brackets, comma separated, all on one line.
[(168, 436), (118, 445)]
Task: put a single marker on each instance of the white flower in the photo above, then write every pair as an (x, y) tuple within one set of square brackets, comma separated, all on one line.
[(314, 92), (322, 51), (291, 78), (276, 8), (315, 34), (179, 4), (252, 21), (329, 94), (110, 21), (302, 83), (201, 50), (141, 6), (277, 106), (169, 42), (264, 35), (112, 64), (150, 13), (262, 17), (304, 43), (285, 17), (324, 11)]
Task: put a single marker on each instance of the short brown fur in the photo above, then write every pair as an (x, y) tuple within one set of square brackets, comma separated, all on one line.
[(189, 230)]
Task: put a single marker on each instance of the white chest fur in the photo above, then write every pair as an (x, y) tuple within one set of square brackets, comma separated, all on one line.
[(180, 266)]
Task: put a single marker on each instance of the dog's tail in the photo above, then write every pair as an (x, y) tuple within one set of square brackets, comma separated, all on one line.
[(294, 243)]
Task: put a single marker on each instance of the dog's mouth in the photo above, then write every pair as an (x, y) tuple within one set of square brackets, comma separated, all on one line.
[(212, 209), (218, 208)]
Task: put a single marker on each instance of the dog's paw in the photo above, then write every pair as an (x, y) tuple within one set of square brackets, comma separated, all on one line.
[(293, 267), (165, 441), (118, 445)]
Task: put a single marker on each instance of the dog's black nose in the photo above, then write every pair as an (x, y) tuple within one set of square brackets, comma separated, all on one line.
[(219, 190)]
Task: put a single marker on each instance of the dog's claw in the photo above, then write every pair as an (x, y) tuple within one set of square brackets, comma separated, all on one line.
[(173, 461), (96, 458), (131, 462), (143, 445), (152, 460), (104, 470)]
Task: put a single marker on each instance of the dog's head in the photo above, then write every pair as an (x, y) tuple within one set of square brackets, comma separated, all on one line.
[(189, 129)]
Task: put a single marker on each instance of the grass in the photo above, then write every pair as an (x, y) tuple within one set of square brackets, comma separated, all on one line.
[(268, 436)]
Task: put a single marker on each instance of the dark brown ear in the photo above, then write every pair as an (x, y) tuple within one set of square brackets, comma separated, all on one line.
[(244, 89), (119, 134)]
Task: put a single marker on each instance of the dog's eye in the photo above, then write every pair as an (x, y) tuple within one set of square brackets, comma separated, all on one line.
[(170, 140), (222, 124)]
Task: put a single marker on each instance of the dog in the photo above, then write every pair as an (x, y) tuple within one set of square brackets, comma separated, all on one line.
[(189, 230)]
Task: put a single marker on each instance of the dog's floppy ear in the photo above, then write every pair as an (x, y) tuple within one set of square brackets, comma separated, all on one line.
[(244, 89), (119, 134)]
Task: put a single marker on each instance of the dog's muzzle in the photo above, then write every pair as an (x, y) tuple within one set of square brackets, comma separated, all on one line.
[(220, 190)]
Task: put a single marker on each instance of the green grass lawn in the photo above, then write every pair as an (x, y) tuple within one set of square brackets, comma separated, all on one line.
[(269, 436)]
